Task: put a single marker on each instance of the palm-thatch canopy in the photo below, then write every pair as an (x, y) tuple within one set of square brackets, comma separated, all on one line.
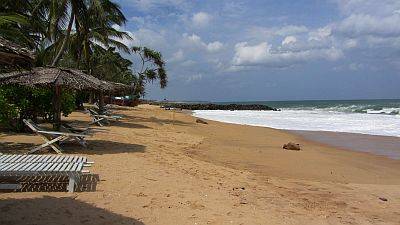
[(52, 76), (116, 88), (12, 54)]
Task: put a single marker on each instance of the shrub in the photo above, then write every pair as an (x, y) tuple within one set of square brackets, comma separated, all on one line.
[(17, 103)]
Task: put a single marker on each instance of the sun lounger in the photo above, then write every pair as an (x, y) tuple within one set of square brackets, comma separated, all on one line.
[(84, 131), (52, 137), (43, 165), (6, 158), (100, 119)]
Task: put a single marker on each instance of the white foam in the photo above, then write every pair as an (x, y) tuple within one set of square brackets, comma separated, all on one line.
[(311, 120)]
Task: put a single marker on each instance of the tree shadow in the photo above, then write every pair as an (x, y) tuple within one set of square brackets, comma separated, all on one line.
[(156, 120), (94, 147), (129, 124), (100, 147), (15, 148), (52, 210)]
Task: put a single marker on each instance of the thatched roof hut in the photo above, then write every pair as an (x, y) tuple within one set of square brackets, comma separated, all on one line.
[(12, 54), (52, 76), (55, 78), (116, 88)]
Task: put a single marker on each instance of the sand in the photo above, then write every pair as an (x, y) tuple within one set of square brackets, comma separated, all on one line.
[(160, 167)]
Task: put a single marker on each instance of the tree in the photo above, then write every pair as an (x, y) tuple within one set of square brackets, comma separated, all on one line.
[(152, 67)]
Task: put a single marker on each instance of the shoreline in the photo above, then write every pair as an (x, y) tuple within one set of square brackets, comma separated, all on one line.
[(379, 145), (388, 146)]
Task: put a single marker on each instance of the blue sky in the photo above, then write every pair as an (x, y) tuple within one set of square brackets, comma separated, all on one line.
[(229, 50)]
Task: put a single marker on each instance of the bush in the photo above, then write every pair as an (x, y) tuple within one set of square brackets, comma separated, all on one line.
[(17, 103)]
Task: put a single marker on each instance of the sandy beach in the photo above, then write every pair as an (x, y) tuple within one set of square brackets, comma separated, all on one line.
[(161, 167)]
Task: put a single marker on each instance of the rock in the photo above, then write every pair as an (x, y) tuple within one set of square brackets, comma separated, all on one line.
[(383, 199), (209, 106), (291, 146), (201, 121)]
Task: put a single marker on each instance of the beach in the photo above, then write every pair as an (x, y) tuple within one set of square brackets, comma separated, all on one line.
[(159, 166)]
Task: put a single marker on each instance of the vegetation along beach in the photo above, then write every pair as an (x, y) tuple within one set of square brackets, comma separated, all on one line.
[(178, 112)]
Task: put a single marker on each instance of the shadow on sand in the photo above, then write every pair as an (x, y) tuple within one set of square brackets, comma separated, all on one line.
[(129, 124), (95, 147), (156, 120), (15, 148), (51, 210), (100, 147)]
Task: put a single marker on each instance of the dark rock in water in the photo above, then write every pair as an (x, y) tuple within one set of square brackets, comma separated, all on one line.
[(218, 107), (201, 121), (291, 146)]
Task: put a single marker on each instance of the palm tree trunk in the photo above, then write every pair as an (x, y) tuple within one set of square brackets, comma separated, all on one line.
[(64, 44)]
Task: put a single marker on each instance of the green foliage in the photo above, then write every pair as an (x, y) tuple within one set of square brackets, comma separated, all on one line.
[(17, 103), (75, 34), (152, 68)]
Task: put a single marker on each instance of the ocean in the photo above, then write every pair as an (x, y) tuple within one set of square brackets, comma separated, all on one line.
[(375, 117)]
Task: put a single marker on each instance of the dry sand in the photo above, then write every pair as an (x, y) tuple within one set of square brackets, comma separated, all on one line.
[(160, 167)]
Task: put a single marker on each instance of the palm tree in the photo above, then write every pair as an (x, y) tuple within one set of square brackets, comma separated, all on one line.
[(152, 67)]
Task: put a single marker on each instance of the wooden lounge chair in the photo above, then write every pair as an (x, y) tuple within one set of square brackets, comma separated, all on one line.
[(42, 165), (84, 131), (13, 158), (52, 137), (101, 119)]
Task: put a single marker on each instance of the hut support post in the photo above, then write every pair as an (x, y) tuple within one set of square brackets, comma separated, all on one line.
[(57, 107), (101, 102)]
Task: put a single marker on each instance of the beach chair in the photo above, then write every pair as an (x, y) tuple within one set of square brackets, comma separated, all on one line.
[(18, 166), (101, 119), (84, 131), (52, 137), (106, 108)]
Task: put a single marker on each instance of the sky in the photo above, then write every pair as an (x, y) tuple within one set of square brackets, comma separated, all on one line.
[(264, 50)]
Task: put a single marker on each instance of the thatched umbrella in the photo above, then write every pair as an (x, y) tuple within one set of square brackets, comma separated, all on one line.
[(54, 78), (12, 54), (112, 88)]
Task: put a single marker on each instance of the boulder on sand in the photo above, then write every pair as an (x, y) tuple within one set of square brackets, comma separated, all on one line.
[(291, 146), (201, 121)]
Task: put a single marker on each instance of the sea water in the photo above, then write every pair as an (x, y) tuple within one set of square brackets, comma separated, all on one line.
[(374, 117)]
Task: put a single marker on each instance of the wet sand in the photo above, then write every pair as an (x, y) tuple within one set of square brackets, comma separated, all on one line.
[(374, 144), (161, 167)]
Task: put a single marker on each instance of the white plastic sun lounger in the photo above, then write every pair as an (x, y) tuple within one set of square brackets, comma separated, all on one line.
[(52, 137), (43, 165)]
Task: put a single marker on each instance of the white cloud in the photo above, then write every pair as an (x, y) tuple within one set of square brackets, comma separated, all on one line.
[(289, 40), (350, 43), (149, 38), (372, 7), (263, 54), (262, 33), (201, 19), (355, 66), (146, 5), (177, 56), (194, 77), (247, 54), (290, 30), (364, 24), (195, 41), (137, 20), (214, 46), (320, 34)]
